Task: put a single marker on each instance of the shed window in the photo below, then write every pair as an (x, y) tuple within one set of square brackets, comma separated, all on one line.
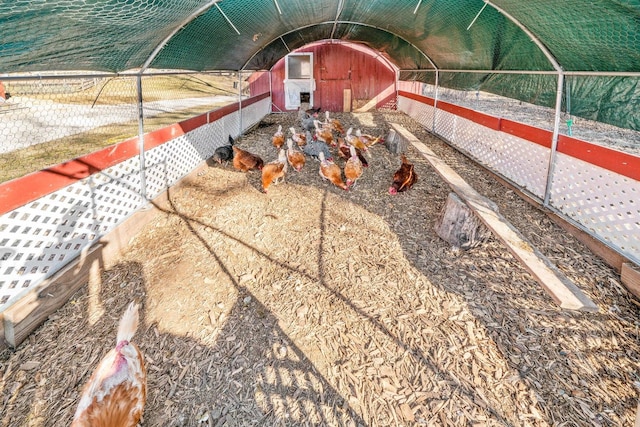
[(299, 66)]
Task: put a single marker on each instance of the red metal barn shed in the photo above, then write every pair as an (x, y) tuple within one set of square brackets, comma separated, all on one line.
[(338, 77)]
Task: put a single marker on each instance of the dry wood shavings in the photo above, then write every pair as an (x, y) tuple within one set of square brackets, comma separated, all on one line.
[(316, 306)]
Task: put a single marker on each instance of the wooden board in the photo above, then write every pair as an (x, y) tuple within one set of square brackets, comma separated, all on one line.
[(608, 255), (23, 317), (564, 292), (346, 100), (630, 277)]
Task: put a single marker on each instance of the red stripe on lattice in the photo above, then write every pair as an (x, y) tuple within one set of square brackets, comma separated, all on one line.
[(20, 191)]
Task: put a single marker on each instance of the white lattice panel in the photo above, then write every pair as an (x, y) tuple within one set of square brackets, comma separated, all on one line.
[(522, 162), (422, 113), (38, 239), (252, 114), (604, 202)]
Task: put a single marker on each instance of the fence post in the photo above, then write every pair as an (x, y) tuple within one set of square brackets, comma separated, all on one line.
[(143, 183), (554, 141), (435, 105), (240, 101)]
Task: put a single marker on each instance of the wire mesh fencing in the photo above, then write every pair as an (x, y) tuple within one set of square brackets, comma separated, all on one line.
[(49, 120), (590, 176), (93, 118)]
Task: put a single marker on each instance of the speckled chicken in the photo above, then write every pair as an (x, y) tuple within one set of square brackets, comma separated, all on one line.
[(315, 147), (115, 394)]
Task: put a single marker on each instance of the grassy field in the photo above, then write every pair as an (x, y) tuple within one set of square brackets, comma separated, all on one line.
[(113, 91)]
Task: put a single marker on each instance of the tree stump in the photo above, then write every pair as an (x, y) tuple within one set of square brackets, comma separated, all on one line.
[(395, 143), (459, 226)]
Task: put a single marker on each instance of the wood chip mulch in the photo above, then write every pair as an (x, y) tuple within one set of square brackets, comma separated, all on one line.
[(314, 306)]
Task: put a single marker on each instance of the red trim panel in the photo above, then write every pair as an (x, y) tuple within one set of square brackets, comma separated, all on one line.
[(20, 191), (604, 157), (613, 160), (530, 133), (253, 100), (416, 97), (475, 116)]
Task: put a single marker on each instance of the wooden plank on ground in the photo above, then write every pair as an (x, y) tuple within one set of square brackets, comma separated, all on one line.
[(564, 292), (630, 277), (26, 314), (30, 311)]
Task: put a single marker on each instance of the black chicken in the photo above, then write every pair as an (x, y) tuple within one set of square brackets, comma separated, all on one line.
[(224, 153)]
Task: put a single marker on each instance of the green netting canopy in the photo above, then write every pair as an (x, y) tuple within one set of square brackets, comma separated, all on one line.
[(597, 40)]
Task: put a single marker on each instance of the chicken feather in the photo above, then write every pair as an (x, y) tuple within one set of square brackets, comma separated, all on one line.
[(116, 392)]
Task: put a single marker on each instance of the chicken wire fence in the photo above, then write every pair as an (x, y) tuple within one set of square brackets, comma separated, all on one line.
[(601, 202), (48, 121)]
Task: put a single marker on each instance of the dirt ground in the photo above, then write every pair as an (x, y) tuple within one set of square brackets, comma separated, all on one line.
[(312, 306)]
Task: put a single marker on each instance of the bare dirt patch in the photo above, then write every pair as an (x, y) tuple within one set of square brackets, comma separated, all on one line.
[(315, 306)]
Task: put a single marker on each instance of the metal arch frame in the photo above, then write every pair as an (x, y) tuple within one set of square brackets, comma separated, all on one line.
[(169, 36), (335, 23), (558, 106)]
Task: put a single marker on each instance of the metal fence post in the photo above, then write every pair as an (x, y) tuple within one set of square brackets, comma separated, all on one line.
[(435, 104), (143, 183), (240, 101), (554, 141)]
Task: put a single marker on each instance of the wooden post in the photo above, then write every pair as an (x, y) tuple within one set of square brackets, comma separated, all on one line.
[(459, 226), (346, 100), (395, 143)]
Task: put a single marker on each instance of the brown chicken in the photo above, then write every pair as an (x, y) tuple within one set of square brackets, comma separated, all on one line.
[(244, 160), (333, 124), (345, 152), (299, 138), (368, 139), (278, 138), (354, 140), (324, 134), (352, 168), (273, 171), (116, 392), (404, 178), (295, 157), (331, 171)]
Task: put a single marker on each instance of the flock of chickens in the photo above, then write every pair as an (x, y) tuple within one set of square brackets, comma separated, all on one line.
[(320, 140), (115, 394)]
